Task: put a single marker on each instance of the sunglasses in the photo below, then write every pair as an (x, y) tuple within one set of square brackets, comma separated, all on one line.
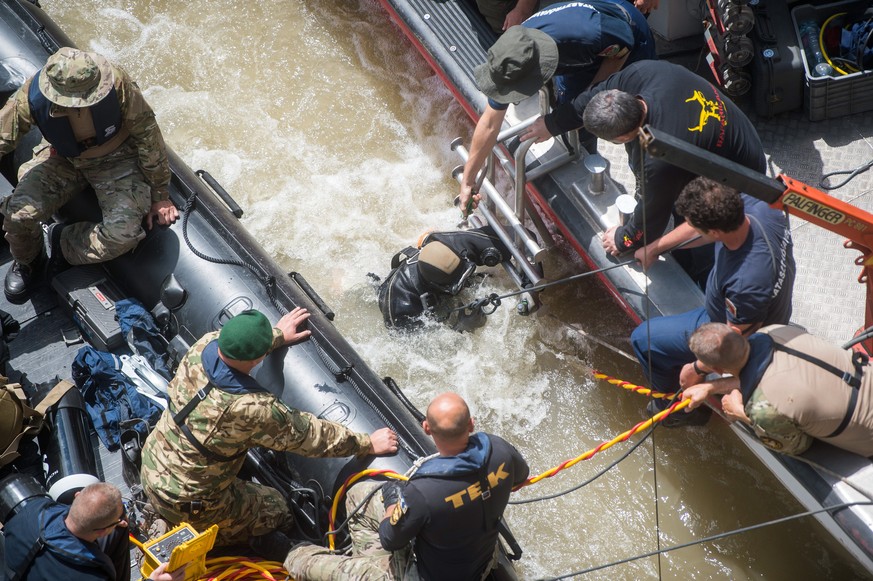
[(115, 524)]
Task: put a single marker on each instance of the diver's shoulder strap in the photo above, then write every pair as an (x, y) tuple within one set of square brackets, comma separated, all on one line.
[(859, 361), (403, 256)]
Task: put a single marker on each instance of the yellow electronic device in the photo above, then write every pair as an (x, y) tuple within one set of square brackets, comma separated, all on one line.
[(182, 545)]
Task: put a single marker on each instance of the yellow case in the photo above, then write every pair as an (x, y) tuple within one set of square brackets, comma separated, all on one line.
[(185, 545)]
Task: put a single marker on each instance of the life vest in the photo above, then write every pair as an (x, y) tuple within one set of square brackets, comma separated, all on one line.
[(105, 114)]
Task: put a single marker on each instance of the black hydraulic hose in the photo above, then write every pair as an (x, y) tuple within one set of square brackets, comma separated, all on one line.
[(495, 299), (269, 282)]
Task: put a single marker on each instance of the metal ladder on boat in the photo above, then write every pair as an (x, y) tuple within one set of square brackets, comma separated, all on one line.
[(508, 220)]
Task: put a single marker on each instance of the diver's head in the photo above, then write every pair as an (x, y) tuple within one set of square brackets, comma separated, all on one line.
[(441, 267)]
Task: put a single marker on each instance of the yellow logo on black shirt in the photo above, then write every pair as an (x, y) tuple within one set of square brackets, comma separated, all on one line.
[(709, 109)]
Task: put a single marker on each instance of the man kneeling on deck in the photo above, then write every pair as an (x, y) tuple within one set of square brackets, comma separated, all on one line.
[(789, 386), (421, 279), (450, 507), (216, 412)]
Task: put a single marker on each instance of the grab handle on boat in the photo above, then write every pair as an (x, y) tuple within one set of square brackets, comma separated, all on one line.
[(310, 292), (216, 187)]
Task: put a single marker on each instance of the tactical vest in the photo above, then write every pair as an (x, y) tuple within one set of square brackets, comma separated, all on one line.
[(105, 114)]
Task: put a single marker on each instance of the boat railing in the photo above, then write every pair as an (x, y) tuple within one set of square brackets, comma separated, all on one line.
[(507, 219)]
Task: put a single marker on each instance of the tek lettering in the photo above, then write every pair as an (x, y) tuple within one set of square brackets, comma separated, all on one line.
[(474, 491)]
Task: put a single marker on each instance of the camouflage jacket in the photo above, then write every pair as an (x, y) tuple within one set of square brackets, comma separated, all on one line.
[(139, 119), (228, 424)]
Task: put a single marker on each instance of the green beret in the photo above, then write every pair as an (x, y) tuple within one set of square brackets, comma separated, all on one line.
[(246, 337)]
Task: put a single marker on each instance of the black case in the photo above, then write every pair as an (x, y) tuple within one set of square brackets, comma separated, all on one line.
[(90, 297), (777, 69)]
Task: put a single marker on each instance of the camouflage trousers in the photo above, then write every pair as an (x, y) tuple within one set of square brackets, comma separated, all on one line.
[(47, 182), (368, 561), (242, 510)]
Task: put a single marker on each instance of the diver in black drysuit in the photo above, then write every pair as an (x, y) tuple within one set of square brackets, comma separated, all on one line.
[(423, 277)]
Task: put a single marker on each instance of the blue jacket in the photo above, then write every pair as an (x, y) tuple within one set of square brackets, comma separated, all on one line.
[(64, 556)]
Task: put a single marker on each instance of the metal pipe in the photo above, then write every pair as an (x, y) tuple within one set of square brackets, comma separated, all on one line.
[(492, 194), (520, 178), (516, 129), (504, 237)]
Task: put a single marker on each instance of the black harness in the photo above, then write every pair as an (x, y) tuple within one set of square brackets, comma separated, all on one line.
[(859, 361), (179, 420)]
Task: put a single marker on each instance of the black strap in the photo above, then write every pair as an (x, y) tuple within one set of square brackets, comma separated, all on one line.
[(850, 411), (859, 361), (179, 420), (38, 545), (489, 514)]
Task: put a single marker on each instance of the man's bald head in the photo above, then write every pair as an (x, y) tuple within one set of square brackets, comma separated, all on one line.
[(448, 417)]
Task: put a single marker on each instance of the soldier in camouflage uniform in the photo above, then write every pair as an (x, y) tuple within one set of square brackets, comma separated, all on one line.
[(190, 462), (98, 130), (789, 386)]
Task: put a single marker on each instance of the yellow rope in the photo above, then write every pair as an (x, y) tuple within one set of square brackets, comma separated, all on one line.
[(821, 44), (603, 446)]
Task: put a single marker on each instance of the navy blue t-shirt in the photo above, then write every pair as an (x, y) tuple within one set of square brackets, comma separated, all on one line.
[(754, 283), (588, 32)]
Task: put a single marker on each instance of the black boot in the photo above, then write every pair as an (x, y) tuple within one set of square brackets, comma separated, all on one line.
[(57, 262), (20, 278), (273, 546)]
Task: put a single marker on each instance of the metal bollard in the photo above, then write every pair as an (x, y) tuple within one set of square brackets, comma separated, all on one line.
[(596, 166), (625, 204)]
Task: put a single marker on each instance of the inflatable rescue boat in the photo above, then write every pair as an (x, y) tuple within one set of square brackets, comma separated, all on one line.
[(192, 277)]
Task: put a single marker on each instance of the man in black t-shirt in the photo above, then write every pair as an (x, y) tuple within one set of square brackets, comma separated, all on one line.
[(450, 507), (674, 100)]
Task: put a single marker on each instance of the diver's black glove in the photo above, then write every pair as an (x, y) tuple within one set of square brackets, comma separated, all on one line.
[(391, 493)]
